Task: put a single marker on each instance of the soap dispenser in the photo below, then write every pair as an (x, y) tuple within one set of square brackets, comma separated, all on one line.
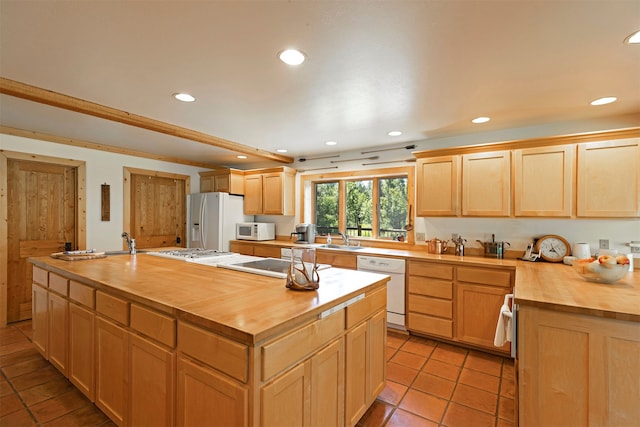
[(328, 239)]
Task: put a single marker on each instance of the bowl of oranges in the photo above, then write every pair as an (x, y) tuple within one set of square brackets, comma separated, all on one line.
[(604, 269)]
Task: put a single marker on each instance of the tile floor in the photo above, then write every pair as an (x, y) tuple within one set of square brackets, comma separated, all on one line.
[(428, 384)]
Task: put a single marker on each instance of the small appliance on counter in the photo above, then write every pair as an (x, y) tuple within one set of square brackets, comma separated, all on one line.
[(306, 233), (256, 231), (494, 249), (437, 246)]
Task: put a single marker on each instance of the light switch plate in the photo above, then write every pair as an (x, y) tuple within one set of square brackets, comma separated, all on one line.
[(604, 243), (420, 237)]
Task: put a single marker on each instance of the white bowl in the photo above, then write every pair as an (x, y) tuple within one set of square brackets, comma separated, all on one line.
[(601, 273)]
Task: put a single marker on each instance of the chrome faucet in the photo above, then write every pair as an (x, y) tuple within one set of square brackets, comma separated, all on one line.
[(131, 243), (345, 238)]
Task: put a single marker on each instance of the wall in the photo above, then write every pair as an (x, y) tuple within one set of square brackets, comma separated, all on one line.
[(101, 167)]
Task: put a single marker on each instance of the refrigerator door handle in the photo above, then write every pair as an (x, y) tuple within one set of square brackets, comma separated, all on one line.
[(203, 211)]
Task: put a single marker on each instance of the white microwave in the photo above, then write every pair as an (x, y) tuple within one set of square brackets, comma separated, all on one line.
[(255, 231)]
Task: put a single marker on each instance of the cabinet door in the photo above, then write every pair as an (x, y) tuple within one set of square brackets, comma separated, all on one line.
[(58, 331), (543, 181), (40, 322), (377, 330), (221, 183), (438, 184), (356, 395), (273, 193), (205, 398), (151, 383), (81, 349), (111, 370), (477, 310), (609, 179), (207, 184), (285, 400), (253, 194), (327, 386), (486, 184)]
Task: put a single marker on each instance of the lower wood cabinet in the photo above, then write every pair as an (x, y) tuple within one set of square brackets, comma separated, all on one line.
[(58, 331), (81, 349), (40, 319), (112, 354), (477, 313)]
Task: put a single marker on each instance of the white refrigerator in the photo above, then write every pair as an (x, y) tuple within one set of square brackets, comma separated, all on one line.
[(212, 219)]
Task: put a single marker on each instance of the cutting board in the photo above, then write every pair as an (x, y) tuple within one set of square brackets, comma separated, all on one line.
[(78, 257)]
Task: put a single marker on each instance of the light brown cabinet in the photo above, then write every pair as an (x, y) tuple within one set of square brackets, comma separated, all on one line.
[(58, 331), (609, 179), (430, 298), (543, 181), (40, 319), (269, 191), (224, 180), (587, 374), (438, 189), (81, 349), (486, 184), (112, 355)]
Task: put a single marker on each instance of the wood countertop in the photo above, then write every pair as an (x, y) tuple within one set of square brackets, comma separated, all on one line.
[(243, 306)]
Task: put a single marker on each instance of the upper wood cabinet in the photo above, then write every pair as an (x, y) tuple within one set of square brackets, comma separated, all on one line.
[(269, 191), (486, 185), (438, 186), (543, 181), (609, 179), (224, 180)]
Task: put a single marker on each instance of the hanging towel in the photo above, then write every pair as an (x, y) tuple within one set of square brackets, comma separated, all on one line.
[(503, 328)]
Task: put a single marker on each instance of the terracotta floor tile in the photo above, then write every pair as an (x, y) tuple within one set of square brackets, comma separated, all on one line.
[(411, 360), (463, 416), (87, 416), (376, 415), (19, 356), (402, 418), (475, 398), (449, 354), (25, 367), (506, 409), (480, 380), (504, 423), (35, 378), (10, 336), (486, 363), (389, 352), (23, 344), (45, 391), (5, 388), (424, 405), (25, 327), (432, 384), (442, 369), (9, 404), (20, 418), (401, 374), (395, 341), (417, 347), (508, 369), (393, 393), (58, 406), (507, 387)]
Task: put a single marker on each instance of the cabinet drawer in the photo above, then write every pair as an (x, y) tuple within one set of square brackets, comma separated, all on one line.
[(430, 325), (295, 346), (59, 284), (430, 287), (40, 276), (365, 308), (82, 294), (154, 325), (431, 306), (266, 251), (484, 276), (427, 269), (112, 307), (336, 260), (229, 357)]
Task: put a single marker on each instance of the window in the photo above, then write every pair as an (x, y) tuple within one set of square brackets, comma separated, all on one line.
[(369, 207)]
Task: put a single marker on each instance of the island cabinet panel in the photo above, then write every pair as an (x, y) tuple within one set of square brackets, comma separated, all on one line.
[(587, 374), (486, 184), (151, 383), (543, 181), (327, 386), (112, 356), (40, 276), (112, 307), (609, 179), (58, 331), (40, 319), (208, 398), (82, 294), (438, 186), (81, 349), (159, 327), (286, 401), (337, 259)]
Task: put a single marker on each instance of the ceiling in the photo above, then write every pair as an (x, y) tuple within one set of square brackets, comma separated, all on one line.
[(423, 67)]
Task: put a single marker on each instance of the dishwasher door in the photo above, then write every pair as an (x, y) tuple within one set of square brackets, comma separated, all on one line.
[(395, 268)]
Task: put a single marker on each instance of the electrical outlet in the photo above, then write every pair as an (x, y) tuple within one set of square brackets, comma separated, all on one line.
[(604, 243), (420, 237)]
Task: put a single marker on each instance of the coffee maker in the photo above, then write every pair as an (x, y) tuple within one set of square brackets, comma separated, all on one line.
[(306, 233)]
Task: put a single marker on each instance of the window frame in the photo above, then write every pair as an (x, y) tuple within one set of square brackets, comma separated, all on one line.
[(308, 198)]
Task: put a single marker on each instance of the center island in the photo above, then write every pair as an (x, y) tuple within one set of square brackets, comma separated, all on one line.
[(154, 341)]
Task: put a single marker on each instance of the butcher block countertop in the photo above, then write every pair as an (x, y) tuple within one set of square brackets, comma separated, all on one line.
[(243, 306)]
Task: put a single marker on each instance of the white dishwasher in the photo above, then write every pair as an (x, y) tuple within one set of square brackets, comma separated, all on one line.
[(395, 268)]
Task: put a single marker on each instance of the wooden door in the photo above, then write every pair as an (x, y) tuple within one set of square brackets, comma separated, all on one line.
[(158, 211), (41, 213)]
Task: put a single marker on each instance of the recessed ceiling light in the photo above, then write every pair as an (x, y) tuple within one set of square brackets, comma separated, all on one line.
[(604, 101), (330, 143), (633, 38), (281, 150), (184, 97), (241, 156), (292, 57), (481, 120), (394, 133)]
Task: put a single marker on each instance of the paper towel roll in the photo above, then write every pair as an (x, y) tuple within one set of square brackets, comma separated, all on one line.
[(581, 250)]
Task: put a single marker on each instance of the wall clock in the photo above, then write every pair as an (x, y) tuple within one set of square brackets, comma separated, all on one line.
[(553, 248)]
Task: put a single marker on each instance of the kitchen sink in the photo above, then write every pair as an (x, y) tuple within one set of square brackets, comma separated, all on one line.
[(124, 252), (341, 247)]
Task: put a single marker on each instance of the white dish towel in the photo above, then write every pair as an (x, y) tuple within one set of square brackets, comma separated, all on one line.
[(503, 328)]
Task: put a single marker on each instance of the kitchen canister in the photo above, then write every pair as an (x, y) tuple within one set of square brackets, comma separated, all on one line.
[(581, 250)]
